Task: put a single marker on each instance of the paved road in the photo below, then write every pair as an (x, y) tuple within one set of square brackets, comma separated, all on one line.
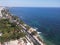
[(30, 36)]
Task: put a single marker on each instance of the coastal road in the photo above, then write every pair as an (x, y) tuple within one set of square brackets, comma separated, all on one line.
[(30, 36)]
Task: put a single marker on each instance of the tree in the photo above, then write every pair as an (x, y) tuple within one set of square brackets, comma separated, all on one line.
[(34, 33)]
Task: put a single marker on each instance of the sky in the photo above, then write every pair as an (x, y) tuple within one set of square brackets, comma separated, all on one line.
[(30, 3)]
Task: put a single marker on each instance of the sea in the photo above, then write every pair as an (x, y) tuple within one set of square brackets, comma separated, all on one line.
[(45, 19)]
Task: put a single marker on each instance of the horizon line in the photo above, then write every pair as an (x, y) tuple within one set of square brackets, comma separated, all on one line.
[(32, 6)]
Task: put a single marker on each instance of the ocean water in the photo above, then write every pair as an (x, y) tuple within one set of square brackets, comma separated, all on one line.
[(47, 20)]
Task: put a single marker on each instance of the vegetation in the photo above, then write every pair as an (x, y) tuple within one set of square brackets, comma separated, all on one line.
[(27, 27), (39, 39), (10, 31), (14, 17), (21, 22), (34, 33)]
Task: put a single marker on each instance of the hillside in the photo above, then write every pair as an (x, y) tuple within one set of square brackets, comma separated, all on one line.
[(9, 29), (13, 29)]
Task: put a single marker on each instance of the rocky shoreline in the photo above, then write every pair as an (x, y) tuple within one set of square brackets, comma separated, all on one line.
[(31, 37)]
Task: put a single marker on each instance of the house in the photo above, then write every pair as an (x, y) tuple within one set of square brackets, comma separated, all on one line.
[(1, 8), (31, 30), (0, 34)]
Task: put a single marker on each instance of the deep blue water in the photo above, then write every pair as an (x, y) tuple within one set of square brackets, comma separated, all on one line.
[(47, 20)]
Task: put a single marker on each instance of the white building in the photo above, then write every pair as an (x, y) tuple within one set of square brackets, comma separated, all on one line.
[(31, 30), (0, 34), (1, 8)]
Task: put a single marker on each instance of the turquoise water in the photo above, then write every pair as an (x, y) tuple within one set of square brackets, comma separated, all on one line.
[(47, 20)]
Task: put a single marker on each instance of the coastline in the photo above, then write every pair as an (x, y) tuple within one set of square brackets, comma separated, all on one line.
[(30, 32)]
